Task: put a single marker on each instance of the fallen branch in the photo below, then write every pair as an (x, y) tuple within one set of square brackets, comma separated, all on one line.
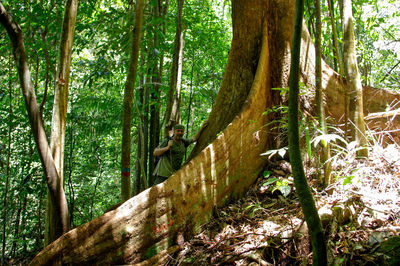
[(382, 114)]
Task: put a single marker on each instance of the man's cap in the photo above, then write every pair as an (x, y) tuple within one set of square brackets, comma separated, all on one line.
[(179, 126)]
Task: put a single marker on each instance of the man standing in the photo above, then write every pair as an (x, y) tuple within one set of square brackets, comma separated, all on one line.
[(172, 150)]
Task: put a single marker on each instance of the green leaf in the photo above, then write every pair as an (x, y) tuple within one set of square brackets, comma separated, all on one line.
[(348, 180), (266, 174), (270, 181)]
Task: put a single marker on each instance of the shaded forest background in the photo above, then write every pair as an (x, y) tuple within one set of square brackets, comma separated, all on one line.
[(98, 73)]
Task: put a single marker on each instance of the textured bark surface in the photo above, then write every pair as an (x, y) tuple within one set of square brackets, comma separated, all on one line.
[(39, 134), (151, 221), (248, 18), (353, 79), (302, 189), (160, 10), (173, 113), (59, 118), (127, 104)]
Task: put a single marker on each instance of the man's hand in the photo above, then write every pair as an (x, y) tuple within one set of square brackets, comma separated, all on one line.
[(170, 142), (203, 126), (160, 151)]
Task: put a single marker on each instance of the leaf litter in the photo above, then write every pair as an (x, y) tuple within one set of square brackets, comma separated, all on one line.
[(360, 214)]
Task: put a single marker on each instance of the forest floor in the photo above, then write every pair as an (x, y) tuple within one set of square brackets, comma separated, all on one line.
[(360, 213)]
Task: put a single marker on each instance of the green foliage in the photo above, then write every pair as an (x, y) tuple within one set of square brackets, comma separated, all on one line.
[(281, 184), (271, 153), (377, 31), (98, 73)]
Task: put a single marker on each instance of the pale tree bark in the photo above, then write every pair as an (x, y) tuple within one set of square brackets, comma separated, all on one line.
[(127, 104), (56, 191), (59, 117), (172, 112), (320, 106), (353, 79)]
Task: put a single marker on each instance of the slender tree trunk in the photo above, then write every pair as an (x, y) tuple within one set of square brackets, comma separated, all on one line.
[(172, 113), (23, 224), (143, 136), (127, 104), (70, 183), (46, 83), (98, 180), (69, 163), (353, 80), (325, 147), (157, 60), (190, 97), (56, 192), (39, 228), (59, 117), (302, 189), (340, 62), (16, 228), (8, 167), (138, 175)]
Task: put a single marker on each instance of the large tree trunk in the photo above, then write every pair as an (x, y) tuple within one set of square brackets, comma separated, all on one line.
[(151, 221), (59, 118), (249, 19)]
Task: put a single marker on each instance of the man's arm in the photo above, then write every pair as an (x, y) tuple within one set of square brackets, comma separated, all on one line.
[(196, 137), (161, 151)]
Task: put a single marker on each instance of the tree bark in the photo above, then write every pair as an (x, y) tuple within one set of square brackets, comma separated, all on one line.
[(325, 147), (142, 148), (56, 191), (353, 79), (59, 117), (160, 11), (220, 173), (340, 62), (150, 222), (248, 22), (127, 104), (172, 112)]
